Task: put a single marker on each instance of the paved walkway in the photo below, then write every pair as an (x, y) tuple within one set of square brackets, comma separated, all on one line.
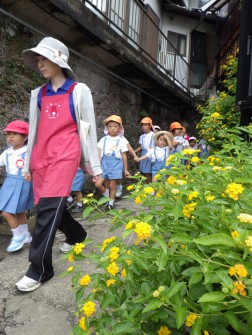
[(49, 309)]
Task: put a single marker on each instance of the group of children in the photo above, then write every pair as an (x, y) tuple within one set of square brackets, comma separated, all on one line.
[(62, 137), (155, 146)]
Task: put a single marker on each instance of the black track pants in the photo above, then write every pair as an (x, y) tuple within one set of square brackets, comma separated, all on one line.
[(51, 215)]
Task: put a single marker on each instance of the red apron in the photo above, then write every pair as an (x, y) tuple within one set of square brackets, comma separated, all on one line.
[(56, 155)]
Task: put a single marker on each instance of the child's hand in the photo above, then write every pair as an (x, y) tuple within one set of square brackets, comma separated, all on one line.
[(96, 178), (127, 173), (136, 159), (27, 176)]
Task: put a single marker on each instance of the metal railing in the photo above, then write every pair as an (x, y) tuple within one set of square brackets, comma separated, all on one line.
[(139, 27)]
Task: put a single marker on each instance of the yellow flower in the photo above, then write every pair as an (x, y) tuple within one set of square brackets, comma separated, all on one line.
[(78, 248), (215, 115), (228, 210), (239, 288), (246, 218), (148, 190), (161, 288), (89, 308), (171, 180), (195, 160), (70, 269), (130, 187), (106, 242), (70, 258), (156, 294), (110, 282), (205, 332), (164, 330), (85, 201), (129, 225), (187, 209), (113, 253), (124, 273), (143, 230), (82, 323), (85, 280), (190, 319), (181, 182), (113, 269), (193, 194), (158, 195), (90, 195), (235, 234), (169, 159), (249, 242), (233, 190), (209, 197), (157, 176), (138, 200), (238, 269), (174, 191)]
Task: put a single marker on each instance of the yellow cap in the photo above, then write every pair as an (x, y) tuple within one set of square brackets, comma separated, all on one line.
[(146, 120), (114, 118)]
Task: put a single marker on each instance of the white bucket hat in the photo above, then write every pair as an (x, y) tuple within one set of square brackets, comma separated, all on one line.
[(52, 49)]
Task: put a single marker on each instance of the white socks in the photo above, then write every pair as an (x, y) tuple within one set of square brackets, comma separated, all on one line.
[(106, 193), (21, 230)]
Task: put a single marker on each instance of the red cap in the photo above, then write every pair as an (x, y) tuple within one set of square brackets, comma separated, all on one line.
[(18, 126)]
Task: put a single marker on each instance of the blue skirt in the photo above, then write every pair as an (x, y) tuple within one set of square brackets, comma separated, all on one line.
[(78, 181), (16, 195), (145, 165)]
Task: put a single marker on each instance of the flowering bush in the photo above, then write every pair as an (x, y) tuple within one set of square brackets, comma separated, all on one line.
[(183, 263), (219, 113)]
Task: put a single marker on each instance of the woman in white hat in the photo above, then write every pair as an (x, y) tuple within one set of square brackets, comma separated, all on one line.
[(57, 111)]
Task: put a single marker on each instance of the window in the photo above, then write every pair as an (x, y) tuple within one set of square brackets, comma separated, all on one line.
[(177, 42)]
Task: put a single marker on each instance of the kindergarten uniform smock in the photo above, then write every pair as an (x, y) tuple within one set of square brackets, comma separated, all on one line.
[(84, 110), (16, 194), (147, 142), (56, 154), (111, 158)]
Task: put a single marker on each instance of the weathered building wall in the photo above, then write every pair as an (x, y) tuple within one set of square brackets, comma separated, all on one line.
[(110, 95)]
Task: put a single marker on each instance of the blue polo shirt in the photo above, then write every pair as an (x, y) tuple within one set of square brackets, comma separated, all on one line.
[(62, 90)]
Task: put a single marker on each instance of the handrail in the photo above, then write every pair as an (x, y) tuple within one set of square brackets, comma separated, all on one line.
[(114, 12)]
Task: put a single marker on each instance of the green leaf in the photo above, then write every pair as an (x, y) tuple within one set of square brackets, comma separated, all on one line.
[(145, 289), (102, 201), (220, 239), (122, 328), (181, 238), (197, 327), (174, 289), (240, 327), (180, 316), (152, 305), (212, 297), (195, 278), (161, 242), (162, 260), (87, 211)]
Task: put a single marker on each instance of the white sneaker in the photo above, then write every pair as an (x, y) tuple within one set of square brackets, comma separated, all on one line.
[(65, 247), (17, 242), (27, 284), (28, 238), (119, 191)]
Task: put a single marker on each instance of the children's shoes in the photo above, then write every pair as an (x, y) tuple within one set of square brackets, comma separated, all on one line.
[(17, 242)]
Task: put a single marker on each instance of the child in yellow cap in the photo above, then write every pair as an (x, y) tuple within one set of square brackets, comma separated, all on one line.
[(146, 142), (112, 152)]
